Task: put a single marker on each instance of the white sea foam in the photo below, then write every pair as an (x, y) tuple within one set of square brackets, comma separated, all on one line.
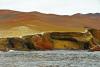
[(11, 50)]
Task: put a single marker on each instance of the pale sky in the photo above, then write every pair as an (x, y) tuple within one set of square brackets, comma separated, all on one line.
[(62, 7)]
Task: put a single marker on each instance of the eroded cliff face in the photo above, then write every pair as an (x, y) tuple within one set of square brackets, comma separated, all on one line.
[(52, 41), (3, 44), (96, 34), (96, 39)]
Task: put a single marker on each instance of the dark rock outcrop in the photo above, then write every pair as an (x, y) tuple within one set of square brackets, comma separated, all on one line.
[(16, 43), (3, 44), (29, 42)]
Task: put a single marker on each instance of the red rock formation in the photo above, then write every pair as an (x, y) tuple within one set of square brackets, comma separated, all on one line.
[(42, 42), (95, 48)]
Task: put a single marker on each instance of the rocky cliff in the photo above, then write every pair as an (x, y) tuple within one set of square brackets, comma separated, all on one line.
[(51, 41), (17, 30)]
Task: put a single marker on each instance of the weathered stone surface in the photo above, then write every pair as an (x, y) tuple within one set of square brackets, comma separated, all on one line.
[(58, 44), (29, 42), (42, 42), (3, 44), (71, 40), (95, 48), (38, 42), (51, 41), (16, 43), (95, 40), (96, 34)]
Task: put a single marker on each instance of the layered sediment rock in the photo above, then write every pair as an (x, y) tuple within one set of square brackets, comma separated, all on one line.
[(52, 41), (71, 40)]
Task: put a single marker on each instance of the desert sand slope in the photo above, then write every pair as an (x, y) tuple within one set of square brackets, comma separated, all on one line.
[(9, 18), (15, 23)]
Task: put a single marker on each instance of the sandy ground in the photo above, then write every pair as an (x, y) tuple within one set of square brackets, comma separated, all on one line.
[(56, 58)]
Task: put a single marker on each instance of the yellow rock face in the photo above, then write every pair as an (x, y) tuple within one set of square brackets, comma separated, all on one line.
[(58, 44), (3, 44)]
